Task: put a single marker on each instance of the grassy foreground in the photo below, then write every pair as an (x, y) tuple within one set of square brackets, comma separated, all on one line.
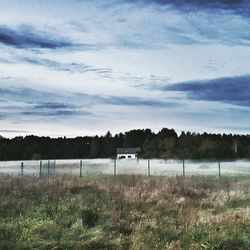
[(126, 212)]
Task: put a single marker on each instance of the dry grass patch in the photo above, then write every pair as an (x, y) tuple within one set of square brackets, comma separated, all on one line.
[(126, 212)]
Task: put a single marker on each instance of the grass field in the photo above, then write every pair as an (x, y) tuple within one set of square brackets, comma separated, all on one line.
[(125, 212)]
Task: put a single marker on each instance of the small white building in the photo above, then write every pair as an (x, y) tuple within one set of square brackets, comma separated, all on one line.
[(127, 153)]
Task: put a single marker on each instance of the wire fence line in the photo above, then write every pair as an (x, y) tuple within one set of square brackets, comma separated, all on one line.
[(149, 167)]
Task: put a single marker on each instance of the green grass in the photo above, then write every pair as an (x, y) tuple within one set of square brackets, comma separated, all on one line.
[(125, 212)]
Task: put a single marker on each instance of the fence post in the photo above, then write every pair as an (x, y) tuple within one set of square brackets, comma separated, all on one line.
[(21, 168), (219, 168), (40, 173), (183, 168), (114, 167), (48, 167), (81, 168), (54, 166), (148, 168)]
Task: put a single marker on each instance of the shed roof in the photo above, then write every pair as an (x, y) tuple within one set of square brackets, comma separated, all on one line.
[(128, 150)]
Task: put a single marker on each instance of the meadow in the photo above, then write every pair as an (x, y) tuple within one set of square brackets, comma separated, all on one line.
[(124, 212)]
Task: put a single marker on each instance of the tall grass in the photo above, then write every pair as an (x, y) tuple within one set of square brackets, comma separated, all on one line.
[(126, 212)]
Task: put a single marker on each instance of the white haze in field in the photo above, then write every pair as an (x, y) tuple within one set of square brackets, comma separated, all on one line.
[(106, 166)]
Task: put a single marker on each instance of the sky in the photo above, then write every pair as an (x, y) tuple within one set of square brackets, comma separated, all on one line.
[(85, 67)]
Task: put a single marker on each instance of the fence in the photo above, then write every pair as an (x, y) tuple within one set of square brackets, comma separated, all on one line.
[(115, 167)]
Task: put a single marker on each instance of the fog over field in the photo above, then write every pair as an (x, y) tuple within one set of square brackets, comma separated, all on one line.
[(130, 167)]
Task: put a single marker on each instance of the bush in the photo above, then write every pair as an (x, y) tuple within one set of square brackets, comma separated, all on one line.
[(9, 232), (234, 244), (36, 157), (89, 216)]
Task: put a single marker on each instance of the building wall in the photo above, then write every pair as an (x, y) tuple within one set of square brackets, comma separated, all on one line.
[(126, 156)]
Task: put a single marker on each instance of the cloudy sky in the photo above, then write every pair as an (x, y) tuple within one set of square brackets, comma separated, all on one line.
[(83, 67)]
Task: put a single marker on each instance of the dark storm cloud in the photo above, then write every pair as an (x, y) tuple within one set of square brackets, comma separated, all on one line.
[(241, 7), (51, 105), (26, 102), (54, 113), (233, 90), (26, 95), (66, 67), (12, 131), (36, 103), (29, 37), (135, 101), (60, 66)]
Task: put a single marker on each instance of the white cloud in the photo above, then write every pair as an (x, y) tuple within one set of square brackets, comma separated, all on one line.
[(130, 50)]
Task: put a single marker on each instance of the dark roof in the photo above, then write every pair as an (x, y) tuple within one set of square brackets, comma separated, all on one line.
[(128, 150)]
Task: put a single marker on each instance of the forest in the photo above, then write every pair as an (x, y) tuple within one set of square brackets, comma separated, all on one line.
[(164, 144)]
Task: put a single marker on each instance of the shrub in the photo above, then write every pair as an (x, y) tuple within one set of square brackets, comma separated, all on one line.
[(89, 216), (233, 244), (9, 232)]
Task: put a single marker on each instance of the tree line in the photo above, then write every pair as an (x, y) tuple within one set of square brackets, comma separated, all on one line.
[(163, 144)]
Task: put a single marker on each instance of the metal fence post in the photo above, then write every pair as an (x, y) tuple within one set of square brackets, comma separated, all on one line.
[(54, 166), (81, 168), (21, 168), (40, 173), (48, 167), (183, 168), (148, 168), (114, 167)]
